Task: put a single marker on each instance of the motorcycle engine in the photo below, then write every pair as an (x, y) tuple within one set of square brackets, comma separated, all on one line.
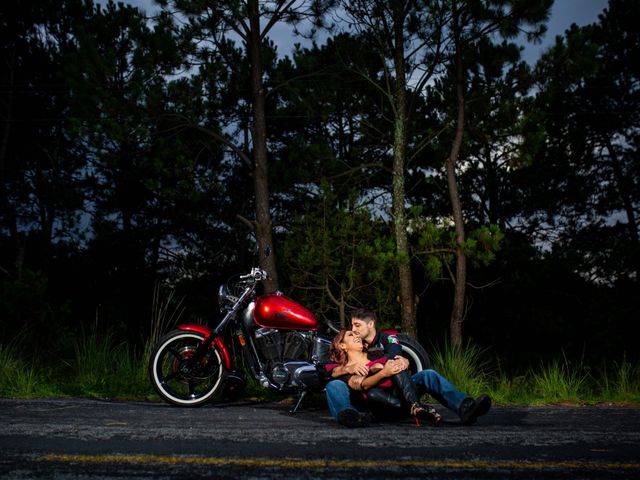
[(283, 352)]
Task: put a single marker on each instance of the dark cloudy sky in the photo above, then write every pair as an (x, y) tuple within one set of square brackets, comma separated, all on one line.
[(563, 14)]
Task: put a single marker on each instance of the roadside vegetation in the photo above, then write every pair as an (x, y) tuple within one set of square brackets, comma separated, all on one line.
[(559, 381), (101, 367)]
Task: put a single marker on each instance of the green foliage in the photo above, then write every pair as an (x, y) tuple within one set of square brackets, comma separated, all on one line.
[(30, 311), (23, 300), (511, 389), (106, 369), (18, 377), (555, 382), (619, 382), (588, 113), (483, 243), (340, 257), (464, 366), (435, 243), (165, 313), (559, 381), (103, 368)]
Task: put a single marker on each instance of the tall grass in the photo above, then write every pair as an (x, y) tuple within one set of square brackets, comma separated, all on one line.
[(511, 389), (464, 366), (165, 313), (557, 381), (620, 383), (19, 377), (103, 368), (560, 381)]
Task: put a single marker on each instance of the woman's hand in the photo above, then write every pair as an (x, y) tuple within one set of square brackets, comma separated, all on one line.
[(355, 382), (396, 365), (357, 369), (390, 368), (353, 369), (403, 362)]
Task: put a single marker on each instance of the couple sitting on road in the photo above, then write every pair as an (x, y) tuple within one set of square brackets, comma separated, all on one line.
[(372, 375)]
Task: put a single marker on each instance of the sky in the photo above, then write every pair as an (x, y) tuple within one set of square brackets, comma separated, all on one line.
[(563, 14)]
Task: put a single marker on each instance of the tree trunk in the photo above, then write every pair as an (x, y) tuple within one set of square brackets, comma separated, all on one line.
[(407, 300), (259, 136), (493, 194), (457, 312)]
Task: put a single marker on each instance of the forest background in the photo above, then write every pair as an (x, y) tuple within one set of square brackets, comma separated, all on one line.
[(411, 161)]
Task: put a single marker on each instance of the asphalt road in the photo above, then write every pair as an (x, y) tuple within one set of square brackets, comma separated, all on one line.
[(90, 439)]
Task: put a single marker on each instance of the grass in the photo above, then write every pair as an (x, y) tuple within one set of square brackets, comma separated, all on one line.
[(97, 367), (510, 389), (165, 313), (620, 382), (19, 377), (464, 366), (101, 367), (559, 381)]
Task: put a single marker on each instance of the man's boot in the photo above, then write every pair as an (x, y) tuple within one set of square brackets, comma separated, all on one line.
[(471, 409), (352, 418)]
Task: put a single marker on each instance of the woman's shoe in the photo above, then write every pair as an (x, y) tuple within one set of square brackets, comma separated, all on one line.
[(426, 413)]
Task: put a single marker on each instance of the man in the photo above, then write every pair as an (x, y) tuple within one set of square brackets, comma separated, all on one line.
[(363, 322)]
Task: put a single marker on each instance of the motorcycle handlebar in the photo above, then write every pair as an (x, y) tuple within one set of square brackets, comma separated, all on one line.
[(256, 274)]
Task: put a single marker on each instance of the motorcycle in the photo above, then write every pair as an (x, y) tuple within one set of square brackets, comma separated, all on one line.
[(283, 344)]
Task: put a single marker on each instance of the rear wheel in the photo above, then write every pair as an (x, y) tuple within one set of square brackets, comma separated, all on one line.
[(178, 381), (413, 351)]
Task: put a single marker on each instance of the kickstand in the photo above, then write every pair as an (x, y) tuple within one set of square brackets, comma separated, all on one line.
[(300, 398)]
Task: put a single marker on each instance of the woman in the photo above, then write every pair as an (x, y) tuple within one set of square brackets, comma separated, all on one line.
[(347, 349)]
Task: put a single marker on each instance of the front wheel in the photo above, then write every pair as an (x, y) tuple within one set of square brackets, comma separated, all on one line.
[(177, 380), (413, 351)]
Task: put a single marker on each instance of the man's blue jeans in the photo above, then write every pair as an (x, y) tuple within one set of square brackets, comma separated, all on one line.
[(426, 381)]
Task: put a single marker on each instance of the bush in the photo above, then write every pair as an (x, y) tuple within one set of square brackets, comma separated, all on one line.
[(464, 367), (560, 382), (620, 383), (20, 378), (102, 368)]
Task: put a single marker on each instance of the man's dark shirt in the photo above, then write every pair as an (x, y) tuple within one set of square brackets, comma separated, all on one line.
[(384, 345)]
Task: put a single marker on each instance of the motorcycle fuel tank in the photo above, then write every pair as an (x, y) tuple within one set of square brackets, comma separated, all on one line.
[(277, 311)]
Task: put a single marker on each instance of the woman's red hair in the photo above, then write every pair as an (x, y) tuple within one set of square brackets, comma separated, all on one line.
[(337, 354)]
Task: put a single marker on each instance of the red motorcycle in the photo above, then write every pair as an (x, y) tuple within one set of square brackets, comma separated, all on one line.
[(283, 344)]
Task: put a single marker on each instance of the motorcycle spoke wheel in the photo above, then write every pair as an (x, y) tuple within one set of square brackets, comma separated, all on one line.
[(192, 388)]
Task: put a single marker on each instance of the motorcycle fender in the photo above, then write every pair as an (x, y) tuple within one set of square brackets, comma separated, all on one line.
[(218, 342)]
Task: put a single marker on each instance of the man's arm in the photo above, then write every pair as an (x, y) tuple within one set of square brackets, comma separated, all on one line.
[(391, 345), (340, 370), (365, 383), (393, 351), (402, 362)]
